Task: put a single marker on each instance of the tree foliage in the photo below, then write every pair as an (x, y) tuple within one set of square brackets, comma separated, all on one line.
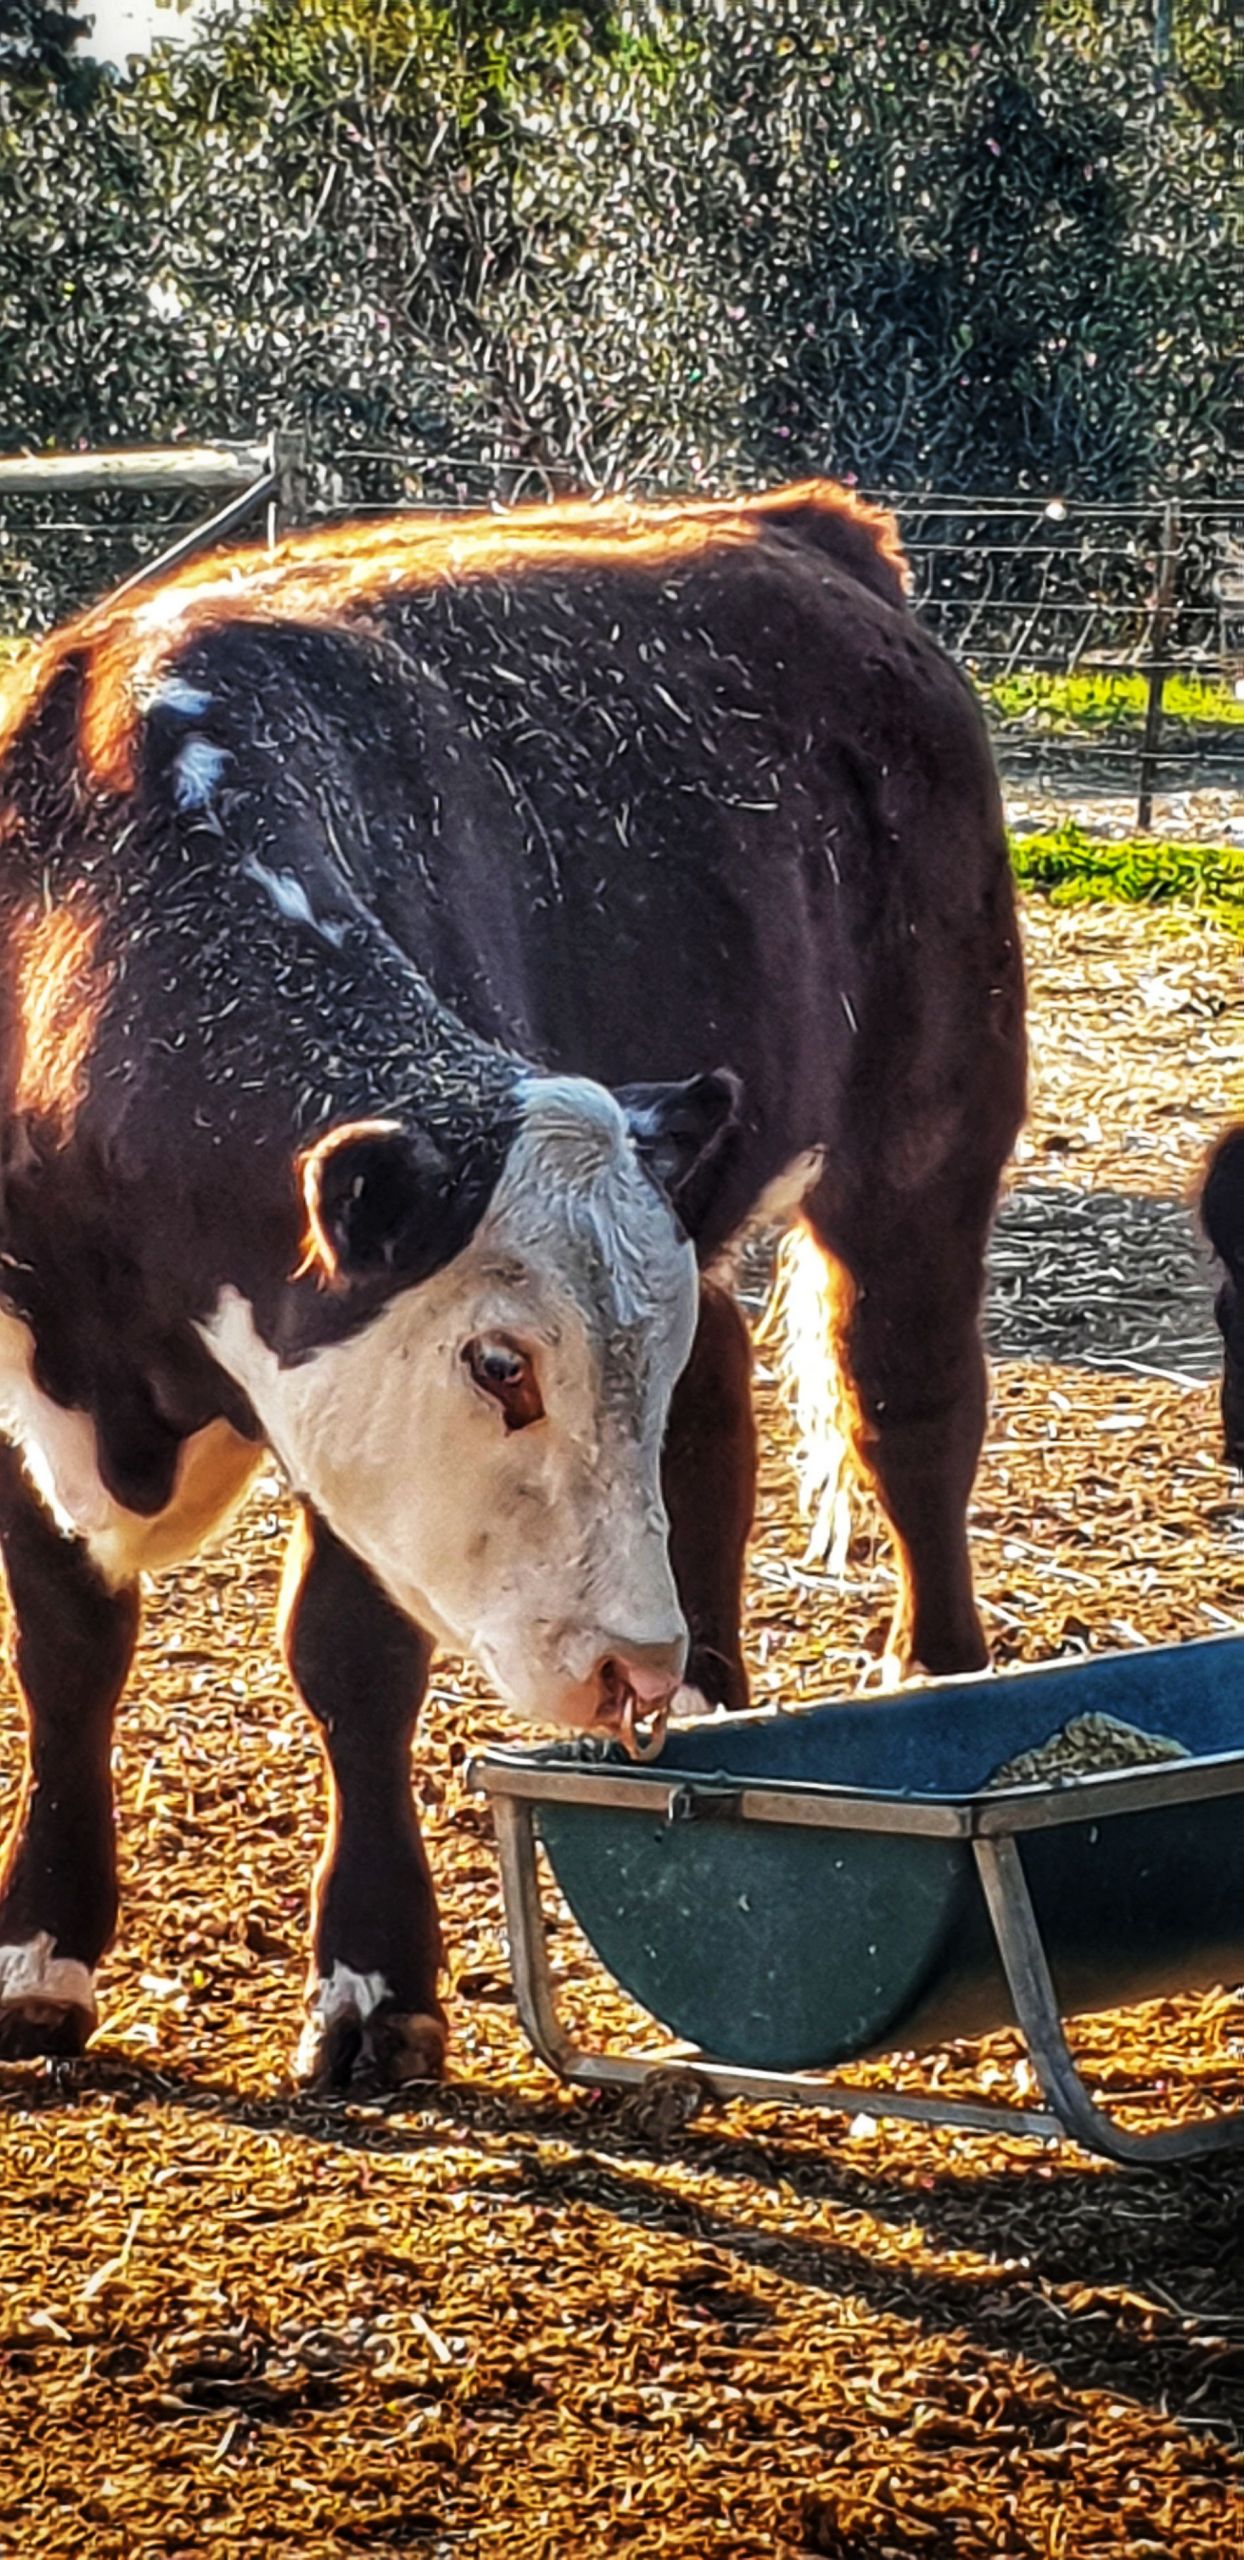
[(976, 244), (39, 47)]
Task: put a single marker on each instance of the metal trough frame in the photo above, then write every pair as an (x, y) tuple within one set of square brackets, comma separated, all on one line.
[(992, 1824)]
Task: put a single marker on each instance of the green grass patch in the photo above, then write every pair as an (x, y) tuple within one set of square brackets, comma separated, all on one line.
[(1075, 869), (1098, 699)]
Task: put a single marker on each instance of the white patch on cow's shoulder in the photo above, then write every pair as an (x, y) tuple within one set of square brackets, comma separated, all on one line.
[(61, 1458), (173, 694), (33, 1976), (290, 899), (197, 772)]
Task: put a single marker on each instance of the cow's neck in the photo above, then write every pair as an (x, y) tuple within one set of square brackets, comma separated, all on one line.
[(289, 1030)]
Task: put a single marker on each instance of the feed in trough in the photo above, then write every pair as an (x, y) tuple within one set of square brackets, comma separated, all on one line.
[(1084, 1747)]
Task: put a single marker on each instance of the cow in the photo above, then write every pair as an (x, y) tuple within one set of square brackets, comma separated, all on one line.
[(1222, 1216), (425, 943)]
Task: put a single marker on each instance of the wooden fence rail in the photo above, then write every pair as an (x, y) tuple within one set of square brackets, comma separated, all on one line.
[(160, 467), (270, 473)]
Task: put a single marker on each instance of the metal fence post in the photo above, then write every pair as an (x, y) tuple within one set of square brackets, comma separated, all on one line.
[(287, 448), (1159, 632)]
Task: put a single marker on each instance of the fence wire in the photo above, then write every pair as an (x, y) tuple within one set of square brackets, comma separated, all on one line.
[(1058, 611)]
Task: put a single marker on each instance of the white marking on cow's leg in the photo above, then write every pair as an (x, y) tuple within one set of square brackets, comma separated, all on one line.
[(338, 2001), (41, 1985), (801, 1312), (346, 1991), (353, 2031)]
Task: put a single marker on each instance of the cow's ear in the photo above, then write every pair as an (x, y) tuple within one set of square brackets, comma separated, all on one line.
[(678, 1128), (374, 1194)]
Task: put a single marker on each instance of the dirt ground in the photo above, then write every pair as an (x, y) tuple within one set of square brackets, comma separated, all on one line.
[(498, 2318)]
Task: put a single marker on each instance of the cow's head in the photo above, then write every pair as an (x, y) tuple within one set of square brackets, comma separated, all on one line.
[(1222, 1215), (488, 1436)]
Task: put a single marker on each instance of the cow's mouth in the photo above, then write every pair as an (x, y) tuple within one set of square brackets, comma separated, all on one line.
[(639, 1728)]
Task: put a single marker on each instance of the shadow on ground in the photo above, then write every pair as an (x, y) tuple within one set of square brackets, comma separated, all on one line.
[(1067, 2268), (1101, 1280)]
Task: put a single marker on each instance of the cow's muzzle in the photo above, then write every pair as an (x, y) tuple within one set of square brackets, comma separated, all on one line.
[(637, 1685)]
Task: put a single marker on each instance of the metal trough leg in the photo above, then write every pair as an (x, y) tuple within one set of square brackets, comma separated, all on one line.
[(537, 2009), (529, 1959), (1020, 1947), (1022, 1951)]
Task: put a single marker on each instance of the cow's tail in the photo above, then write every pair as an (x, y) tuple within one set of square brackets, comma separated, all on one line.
[(799, 1327)]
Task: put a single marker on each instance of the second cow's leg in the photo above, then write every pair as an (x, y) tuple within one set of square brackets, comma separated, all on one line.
[(71, 1644), (362, 1669), (709, 1483), (907, 1277)]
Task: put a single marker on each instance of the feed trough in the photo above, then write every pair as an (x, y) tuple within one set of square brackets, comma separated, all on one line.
[(787, 1893)]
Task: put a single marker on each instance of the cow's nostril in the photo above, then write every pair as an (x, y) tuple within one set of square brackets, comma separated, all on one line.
[(648, 1672)]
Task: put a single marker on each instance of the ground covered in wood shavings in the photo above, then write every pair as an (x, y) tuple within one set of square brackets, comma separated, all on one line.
[(495, 2318)]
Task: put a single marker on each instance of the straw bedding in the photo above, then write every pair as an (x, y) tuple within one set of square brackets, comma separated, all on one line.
[(496, 2318)]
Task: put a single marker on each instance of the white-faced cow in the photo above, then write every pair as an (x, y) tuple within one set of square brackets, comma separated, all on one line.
[(422, 948), (1222, 1216)]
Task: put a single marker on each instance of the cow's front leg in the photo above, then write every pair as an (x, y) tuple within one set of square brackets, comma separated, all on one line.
[(71, 1643), (362, 1669)]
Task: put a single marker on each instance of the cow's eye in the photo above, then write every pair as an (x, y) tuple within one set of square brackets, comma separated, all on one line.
[(504, 1372)]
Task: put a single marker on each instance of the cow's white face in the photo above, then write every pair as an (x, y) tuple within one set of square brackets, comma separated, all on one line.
[(490, 1443)]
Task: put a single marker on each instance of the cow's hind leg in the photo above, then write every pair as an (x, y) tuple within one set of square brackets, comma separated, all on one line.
[(709, 1483), (907, 1274), (362, 1669), (71, 1643)]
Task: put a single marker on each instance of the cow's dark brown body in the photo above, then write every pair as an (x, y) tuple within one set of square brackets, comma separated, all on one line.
[(624, 794), (1222, 1215)]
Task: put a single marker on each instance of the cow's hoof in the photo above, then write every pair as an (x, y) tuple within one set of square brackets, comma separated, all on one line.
[(47, 2002), (357, 2037), (29, 2028)]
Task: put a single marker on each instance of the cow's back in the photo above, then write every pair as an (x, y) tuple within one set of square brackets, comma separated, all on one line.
[(638, 791), (724, 803)]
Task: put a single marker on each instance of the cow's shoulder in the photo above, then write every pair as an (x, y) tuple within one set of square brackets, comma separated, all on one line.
[(820, 516)]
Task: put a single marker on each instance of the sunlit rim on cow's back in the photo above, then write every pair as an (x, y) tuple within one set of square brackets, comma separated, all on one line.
[(321, 576)]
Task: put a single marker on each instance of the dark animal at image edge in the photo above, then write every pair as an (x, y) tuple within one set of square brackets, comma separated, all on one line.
[(424, 947), (1222, 1215)]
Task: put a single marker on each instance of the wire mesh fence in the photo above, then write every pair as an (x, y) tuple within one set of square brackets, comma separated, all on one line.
[(1107, 640), (59, 553)]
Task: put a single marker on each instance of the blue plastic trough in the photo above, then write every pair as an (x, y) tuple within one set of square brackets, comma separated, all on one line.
[(790, 1892)]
